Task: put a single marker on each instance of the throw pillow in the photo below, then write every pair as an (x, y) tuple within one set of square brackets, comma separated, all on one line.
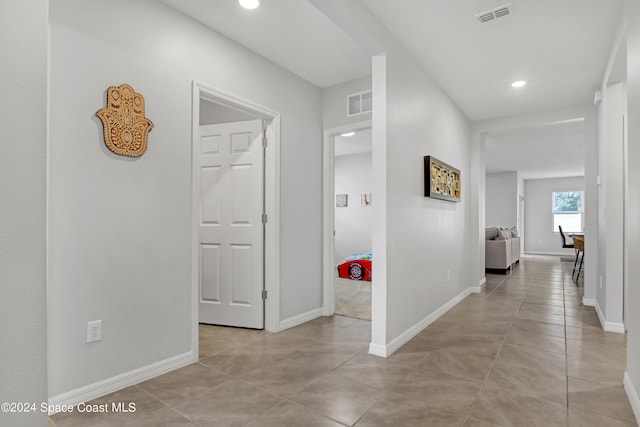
[(503, 235), (490, 233), (514, 232)]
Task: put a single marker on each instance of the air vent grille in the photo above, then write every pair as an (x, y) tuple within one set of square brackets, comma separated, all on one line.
[(486, 17), (359, 103), (496, 13), (501, 12)]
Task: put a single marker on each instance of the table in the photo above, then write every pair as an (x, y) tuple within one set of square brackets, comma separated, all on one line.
[(578, 244)]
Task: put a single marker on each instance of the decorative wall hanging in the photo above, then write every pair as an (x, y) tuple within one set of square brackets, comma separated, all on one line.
[(125, 126), (441, 181), (342, 200)]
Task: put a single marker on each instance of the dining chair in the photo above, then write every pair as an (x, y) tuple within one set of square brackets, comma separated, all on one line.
[(564, 239)]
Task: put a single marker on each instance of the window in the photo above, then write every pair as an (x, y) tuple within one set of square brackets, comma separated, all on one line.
[(568, 211)]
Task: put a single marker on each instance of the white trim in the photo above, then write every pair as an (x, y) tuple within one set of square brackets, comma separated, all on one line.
[(482, 282), (632, 395), (476, 289), (561, 254), (328, 213), (606, 325), (272, 202), (378, 350), (272, 230), (104, 387), (406, 336), (599, 313), (300, 319), (616, 327), (588, 302)]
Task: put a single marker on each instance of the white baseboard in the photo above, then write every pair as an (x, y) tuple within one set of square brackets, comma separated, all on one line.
[(632, 394), (104, 387), (406, 336), (617, 327), (562, 254), (478, 289), (299, 319), (378, 350), (589, 302)]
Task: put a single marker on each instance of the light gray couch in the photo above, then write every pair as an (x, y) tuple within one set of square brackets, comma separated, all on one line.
[(502, 250)]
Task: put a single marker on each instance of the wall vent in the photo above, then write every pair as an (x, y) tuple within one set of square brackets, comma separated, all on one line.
[(496, 13), (359, 103)]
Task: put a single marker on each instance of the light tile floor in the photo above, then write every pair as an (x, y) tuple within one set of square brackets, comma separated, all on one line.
[(524, 352)]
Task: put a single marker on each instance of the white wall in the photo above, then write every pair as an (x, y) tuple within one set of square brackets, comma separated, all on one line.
[(416, 239), (335, 103), (521, 203), (121, 227), (539, 227), (501, 192), (354, 223), (632, 225), (611, 207), (23, 234), (425, 236), (212, 114)]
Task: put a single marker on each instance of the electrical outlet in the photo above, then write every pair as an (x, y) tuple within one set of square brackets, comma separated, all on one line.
[(448, 276), (94, 331), (600, 282)]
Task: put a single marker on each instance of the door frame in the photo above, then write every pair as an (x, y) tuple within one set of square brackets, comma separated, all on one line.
[(271, 199), (328, 212)]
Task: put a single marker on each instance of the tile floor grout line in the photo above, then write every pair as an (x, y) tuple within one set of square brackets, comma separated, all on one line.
[(165, 403), (499, 284), (367, 411), (482, 386)]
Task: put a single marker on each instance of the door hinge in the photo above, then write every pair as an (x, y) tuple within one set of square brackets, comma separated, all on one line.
[(264, 142), (264, 294), (264, 218)]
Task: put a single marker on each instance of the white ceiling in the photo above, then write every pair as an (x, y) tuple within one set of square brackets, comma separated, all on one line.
[(356, 144), (291, 33), (545, 151), (559, 47)]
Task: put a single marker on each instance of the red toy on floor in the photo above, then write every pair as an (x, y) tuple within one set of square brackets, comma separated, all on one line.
[(356, 267)]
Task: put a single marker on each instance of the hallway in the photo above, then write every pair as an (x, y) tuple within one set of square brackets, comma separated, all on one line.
[(524, 352)]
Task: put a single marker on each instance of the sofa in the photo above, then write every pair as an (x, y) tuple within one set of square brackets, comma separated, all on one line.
[(502, 250)]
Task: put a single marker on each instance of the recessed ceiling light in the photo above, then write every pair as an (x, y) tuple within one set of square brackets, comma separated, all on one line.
[(518, 83), (250, 4), (348, 134)]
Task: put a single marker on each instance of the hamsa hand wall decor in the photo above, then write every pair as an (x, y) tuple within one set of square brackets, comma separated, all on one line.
[(125, 126)]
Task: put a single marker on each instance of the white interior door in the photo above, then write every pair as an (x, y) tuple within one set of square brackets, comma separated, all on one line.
[(230, 230)]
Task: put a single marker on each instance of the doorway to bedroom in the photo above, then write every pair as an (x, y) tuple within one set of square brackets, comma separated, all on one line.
[(235, 232), (353, 223)]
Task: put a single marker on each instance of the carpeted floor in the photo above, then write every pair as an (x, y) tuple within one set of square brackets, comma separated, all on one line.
[(353, 298)]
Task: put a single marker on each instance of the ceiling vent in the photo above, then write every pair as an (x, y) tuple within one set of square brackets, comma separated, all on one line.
[(359, 103), (496, 13)]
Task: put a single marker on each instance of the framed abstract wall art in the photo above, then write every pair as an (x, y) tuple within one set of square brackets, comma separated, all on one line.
[(441, 181)]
